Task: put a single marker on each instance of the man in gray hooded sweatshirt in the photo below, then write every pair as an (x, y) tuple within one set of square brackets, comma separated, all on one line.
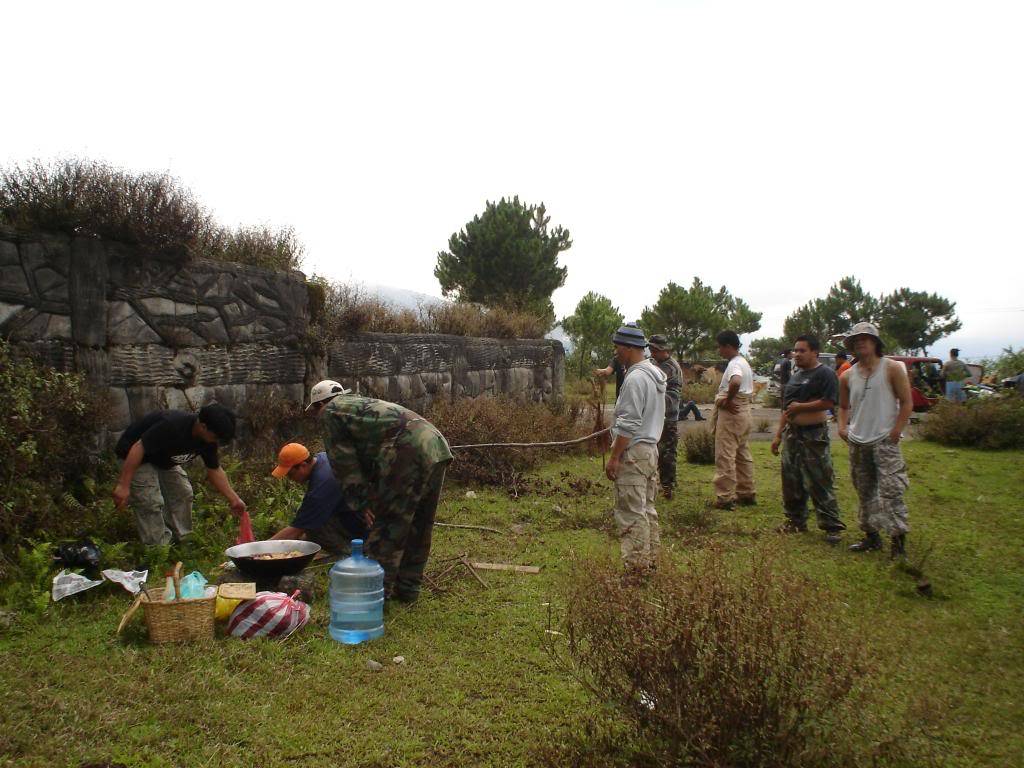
[(633, 466)]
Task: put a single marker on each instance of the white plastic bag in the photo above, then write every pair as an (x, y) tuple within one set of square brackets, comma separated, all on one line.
[(130, 580), (66, 583)]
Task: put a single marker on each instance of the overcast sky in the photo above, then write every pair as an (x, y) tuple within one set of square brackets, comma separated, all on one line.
[(769, 146)]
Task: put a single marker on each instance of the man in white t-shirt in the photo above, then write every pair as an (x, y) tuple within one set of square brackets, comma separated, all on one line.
[(730, 421)]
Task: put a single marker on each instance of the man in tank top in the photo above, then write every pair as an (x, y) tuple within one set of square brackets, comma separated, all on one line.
[(874, 407)]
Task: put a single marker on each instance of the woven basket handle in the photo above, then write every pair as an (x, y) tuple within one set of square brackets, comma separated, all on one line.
[(177, 581)]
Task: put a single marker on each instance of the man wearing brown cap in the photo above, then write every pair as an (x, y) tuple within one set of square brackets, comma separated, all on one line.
[(668, 445), (874, 406)]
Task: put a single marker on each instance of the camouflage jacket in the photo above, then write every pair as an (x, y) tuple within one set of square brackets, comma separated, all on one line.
[(673, 387), (374, 445)]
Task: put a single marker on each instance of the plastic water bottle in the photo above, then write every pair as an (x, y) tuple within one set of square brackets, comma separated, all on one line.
[(357, 598)]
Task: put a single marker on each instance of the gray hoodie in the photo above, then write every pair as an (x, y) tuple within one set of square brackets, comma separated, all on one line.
[(640, 407)]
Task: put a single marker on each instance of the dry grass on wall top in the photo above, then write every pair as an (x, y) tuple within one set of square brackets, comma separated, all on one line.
[(152, 211), (340, 310)]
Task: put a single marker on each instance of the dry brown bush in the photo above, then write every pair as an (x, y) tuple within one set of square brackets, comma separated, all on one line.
[(150, 210), (700, 391), (486, 419), (719, 664), (460, 319), (699, 446), (258, 246)]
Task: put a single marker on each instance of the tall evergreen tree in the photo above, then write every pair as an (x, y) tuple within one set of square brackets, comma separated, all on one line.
[(691, 317), (506, 257), (591, 327)]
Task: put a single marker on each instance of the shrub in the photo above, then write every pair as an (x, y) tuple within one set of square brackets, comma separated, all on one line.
[(1009, 363), (700, 392), (718, 665), (985, 422), (763, 425), (150, 210), (486, 419), (258, 246), (49, 472), (348, 309), (274, 420), (770, 399), (699, 445)]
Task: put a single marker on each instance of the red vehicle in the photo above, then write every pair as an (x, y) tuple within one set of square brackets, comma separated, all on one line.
[(924, 375)]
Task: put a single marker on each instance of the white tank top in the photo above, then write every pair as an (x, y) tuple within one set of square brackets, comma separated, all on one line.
[(873, 404)]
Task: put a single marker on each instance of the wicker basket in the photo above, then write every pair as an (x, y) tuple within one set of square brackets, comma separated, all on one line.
[(178, 620)]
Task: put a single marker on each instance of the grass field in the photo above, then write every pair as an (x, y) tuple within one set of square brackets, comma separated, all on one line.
[(478, 688)]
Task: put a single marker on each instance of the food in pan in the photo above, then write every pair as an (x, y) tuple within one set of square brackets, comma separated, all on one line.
[(278, 555)]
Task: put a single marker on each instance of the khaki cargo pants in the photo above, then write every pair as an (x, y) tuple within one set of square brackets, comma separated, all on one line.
[(635, 490), (734, 466), (162, 502)]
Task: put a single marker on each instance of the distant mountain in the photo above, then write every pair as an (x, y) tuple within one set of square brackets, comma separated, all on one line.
[(558, 334), (403, 298)]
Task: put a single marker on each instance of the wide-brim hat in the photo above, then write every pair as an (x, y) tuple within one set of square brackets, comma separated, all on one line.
[(861, 329)]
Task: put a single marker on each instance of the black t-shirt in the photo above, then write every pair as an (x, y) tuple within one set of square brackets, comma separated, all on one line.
[(805, 385), (620, 374), (167, 440), (785, 371)]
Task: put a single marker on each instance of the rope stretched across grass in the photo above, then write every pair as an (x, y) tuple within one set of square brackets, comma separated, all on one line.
[(557, 444)]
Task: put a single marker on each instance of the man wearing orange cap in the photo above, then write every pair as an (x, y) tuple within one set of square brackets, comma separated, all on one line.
[(323, 516)]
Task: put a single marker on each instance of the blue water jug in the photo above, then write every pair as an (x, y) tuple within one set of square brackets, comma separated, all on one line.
[(357, 598)]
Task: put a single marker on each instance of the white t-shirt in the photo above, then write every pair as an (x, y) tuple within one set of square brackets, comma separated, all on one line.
[(738, 366)]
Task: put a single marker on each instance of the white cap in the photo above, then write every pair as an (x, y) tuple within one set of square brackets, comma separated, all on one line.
[(324, 390)]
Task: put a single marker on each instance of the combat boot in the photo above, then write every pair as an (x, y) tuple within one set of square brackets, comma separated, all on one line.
[(870, 542), (899, 546)]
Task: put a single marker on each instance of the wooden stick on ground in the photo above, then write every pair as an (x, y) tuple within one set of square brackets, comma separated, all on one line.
[(474, 527), (469, 565), (506, 567)]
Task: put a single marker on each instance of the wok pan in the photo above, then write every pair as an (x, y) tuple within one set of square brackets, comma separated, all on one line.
[(242, 556)]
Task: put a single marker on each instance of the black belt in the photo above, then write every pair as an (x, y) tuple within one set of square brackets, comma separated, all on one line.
[(807, 427)]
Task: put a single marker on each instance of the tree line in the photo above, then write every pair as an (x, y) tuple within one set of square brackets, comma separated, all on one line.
[(508, 257)]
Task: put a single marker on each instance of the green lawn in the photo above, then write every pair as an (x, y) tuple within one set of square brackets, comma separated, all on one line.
[(477, 687)]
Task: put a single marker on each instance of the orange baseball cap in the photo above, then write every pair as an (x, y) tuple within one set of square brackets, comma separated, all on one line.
[(288, 457)]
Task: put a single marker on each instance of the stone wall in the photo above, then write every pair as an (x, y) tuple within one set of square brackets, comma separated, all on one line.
[(163, 333), (414, 370)]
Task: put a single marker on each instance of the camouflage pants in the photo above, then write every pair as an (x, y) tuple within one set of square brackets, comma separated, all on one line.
[(880, 479), (404, 524), (636, 487), (668, 448), (162, 502), (807, 474)]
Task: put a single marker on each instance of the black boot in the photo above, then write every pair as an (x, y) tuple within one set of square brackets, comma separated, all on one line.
[(899, 546), (870, 542)]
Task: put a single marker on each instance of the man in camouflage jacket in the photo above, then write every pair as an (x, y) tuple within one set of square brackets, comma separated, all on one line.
[(389, 461)]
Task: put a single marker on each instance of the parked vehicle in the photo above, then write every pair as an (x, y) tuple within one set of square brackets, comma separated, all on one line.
[(925, 379)]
